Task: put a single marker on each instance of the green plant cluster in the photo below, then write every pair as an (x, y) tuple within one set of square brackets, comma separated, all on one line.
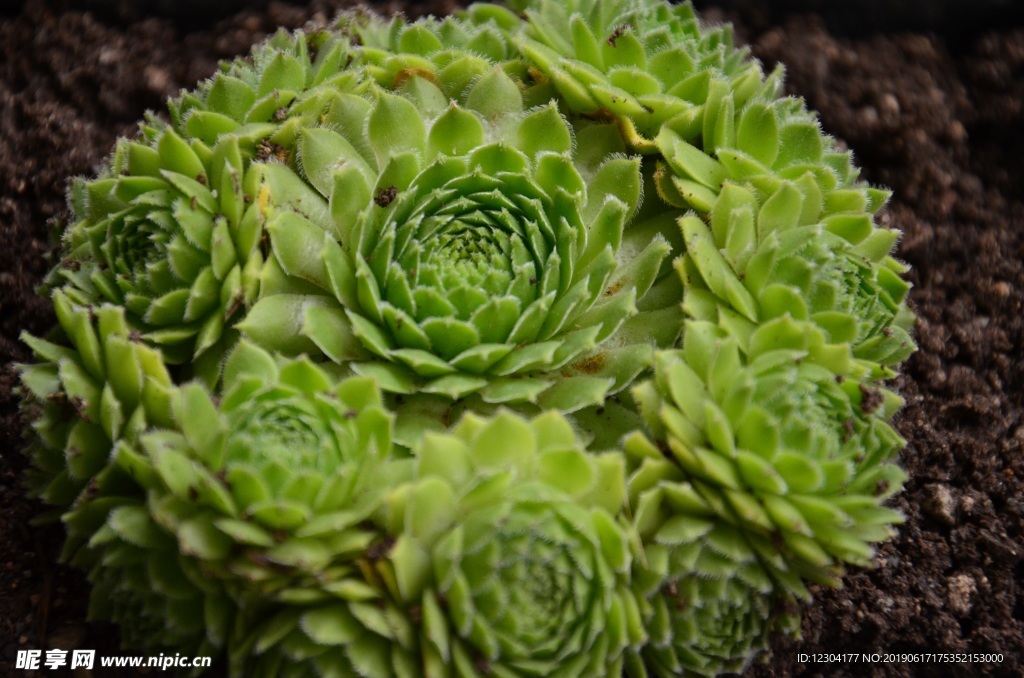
[(548, 340)]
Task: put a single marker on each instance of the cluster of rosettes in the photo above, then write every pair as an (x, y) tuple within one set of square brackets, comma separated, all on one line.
[(543, 341)]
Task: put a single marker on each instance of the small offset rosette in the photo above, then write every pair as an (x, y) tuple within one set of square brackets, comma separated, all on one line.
[(645, 65), (247, 504), (163, 599), (709, 604), (172, 229), (791, 465), (95, 385), (267, 485), (794, 254)]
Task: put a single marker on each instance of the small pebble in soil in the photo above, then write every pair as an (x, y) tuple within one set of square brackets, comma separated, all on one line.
[(962, 589), (941, 504)]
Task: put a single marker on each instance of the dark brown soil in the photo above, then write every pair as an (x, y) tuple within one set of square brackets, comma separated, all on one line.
[(940, 123)]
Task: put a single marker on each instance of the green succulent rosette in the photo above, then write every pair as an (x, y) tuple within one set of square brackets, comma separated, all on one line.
[(708, 605), (775, 195), (97, 388), (251, 504), (267, 486), (162, 598), (172, 229), (169, 237), (797, 460), (499, 555), (94, 385), (455, 246), (756, 259), (647, 65)]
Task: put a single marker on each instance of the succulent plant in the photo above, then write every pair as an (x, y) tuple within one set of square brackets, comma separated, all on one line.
[(797, 460), (781, 249), (94, 386), (499, 555), (541, 340), (267, 486), (254, 501), (466, 254), (168, 237), (162, 598)]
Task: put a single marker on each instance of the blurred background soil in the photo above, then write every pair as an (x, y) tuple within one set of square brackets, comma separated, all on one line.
[(931, 109)]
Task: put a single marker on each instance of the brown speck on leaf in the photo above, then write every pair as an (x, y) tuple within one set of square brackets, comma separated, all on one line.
[(79, 406), (236, 304), (135, 336), (201, 178), (613, 289), (616, 34), (406, 74), (192, 202), (351, 414), (536, 75), (592, 364), (601, 115), (871, 399), (267, 150), (673, 593), (313, 44), (385, 196), (355, 39), (840, 378), (281, 114), (847, 428), (533, 280), (71, 264), (380, 549), (887, 331)]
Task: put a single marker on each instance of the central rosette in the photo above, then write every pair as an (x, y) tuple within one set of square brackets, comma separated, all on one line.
[(450, 244), (467, 270)]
